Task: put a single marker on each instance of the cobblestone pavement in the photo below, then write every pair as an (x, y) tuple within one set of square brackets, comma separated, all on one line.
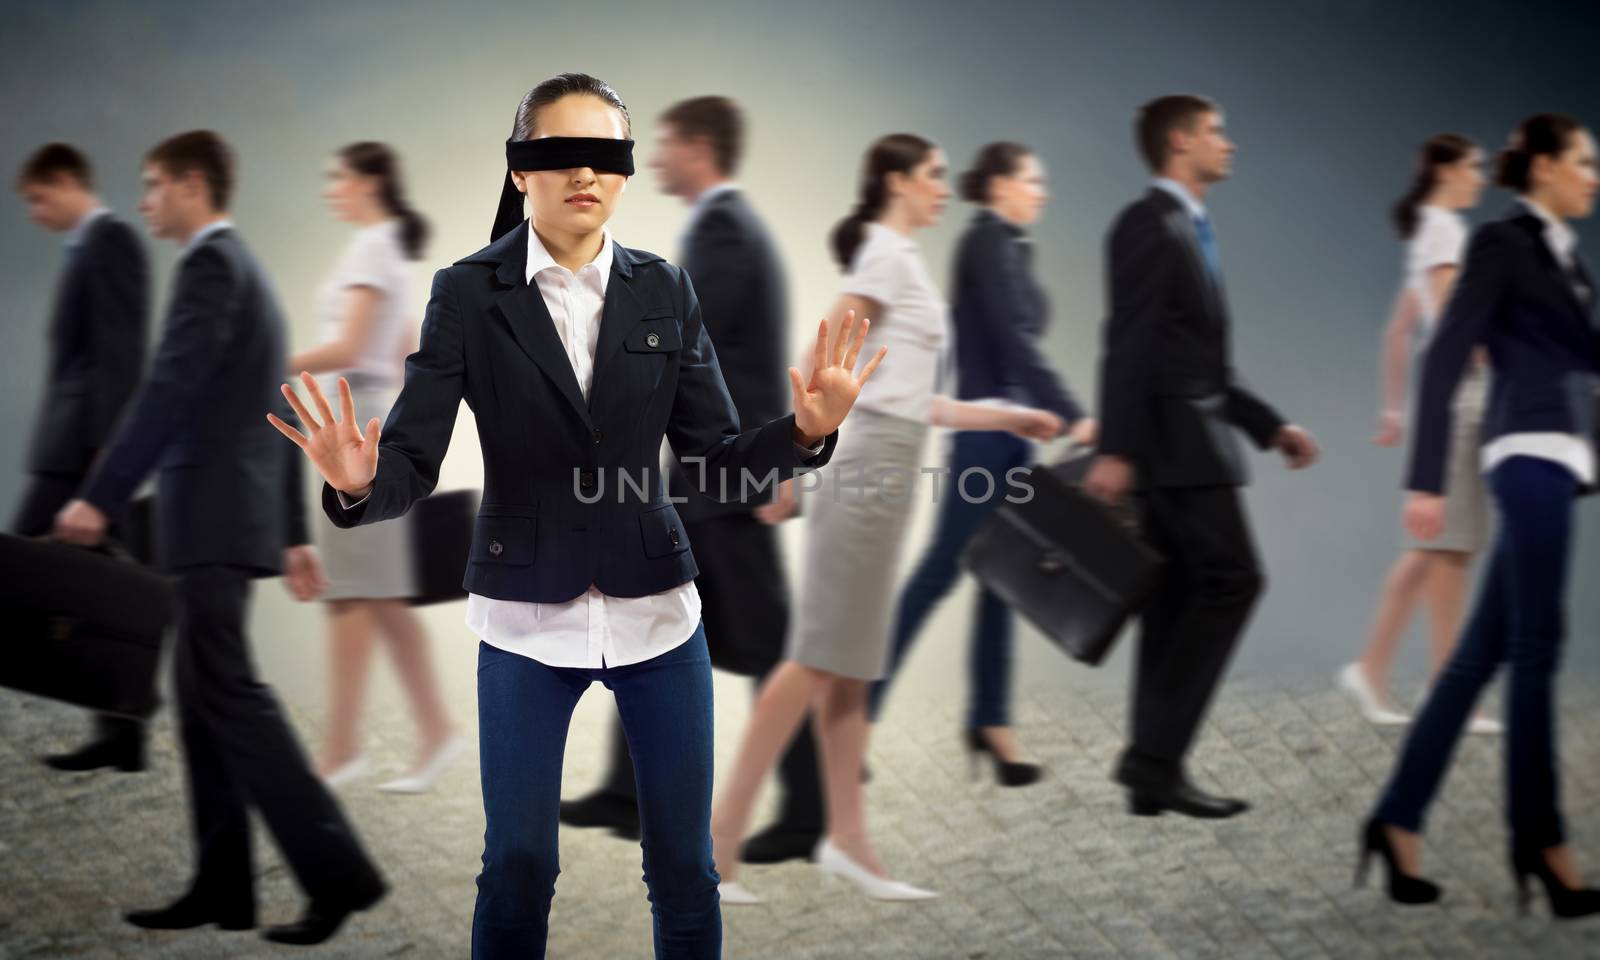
[(1055, 870)]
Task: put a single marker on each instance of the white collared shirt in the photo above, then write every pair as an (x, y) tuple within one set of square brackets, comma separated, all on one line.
[(1197, 210), (1568, 449), (914, 324), (78, 230), (591, 630)]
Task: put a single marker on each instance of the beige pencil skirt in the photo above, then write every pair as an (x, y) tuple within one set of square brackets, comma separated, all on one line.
[(1468, 513), (856, 517)]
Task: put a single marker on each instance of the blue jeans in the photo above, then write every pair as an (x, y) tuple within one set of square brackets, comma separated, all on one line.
[(1519, 620), (989, 655), (524, 708)]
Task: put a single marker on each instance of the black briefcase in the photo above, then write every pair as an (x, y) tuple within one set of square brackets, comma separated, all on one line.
[(441, 541), (1075, 568), (84, 626)]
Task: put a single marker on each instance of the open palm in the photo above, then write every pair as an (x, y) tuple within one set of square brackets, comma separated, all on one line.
[(345, 457), (821, 403)]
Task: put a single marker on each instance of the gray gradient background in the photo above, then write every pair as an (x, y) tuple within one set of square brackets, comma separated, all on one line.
[(1327, 102)]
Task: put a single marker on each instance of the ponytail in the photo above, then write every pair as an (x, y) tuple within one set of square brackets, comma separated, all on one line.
[(373, 159), (894, 153), (1439, 151)]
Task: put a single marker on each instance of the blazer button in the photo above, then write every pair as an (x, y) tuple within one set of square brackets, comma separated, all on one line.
[(597, 436), (586, 479), (674, 536), (496, 548), (652, 341)]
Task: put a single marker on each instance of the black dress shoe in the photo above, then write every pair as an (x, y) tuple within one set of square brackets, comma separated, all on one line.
[(780, 842), (322, 920), (1154, 788), (1008, 773), (191, 910), (602, 809), (122, 753)]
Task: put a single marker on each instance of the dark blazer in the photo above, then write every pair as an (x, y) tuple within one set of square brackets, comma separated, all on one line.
[(1169, 396), (573, 493), (96, 351), (734, 266), (1538, 322), (227, 491), (1000, 312)]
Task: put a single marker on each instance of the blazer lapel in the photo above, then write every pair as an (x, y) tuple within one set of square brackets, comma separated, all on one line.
[(1552, 267), (622, 310), (1183, 226), (532, 327)]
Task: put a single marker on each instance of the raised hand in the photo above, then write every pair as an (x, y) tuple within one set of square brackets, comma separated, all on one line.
[(346, 458), (821, 403)]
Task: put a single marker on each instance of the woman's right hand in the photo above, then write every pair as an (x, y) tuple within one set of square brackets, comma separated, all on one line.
[(345, 458), (1390, 429), (1424, 515), (1031, 424)]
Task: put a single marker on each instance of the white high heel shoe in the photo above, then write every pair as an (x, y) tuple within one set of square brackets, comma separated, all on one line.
[(1487, 726), (736, 894), (423, 780), (349, 772), (834, 862), (1354, 683)]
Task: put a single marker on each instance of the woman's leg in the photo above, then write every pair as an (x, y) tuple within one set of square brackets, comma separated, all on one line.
[(842, 733), (779, 710), (1445, 593), (524, 709), (1433, 736), (1401, 590), (665, 706), (408, 646), (1536, 502), (350, 644)]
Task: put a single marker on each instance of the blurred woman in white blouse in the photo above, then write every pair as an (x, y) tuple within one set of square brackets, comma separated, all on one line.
[(857, 517), (367, 333), (1449, 179)]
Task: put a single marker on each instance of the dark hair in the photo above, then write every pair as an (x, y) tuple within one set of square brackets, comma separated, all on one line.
[(372, 159), (1440, 150), (893, 153), (563, 85), (998, 159), (1158, 118), (718, 120), (53, 160), (1541, 135), (198, 150)]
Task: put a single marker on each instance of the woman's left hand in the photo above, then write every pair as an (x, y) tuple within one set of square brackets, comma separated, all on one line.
[(820, 405)]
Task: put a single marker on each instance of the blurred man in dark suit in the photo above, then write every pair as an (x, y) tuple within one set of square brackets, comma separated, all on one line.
[(743, 588), (229, 510), (1170, 403), (98, 329)]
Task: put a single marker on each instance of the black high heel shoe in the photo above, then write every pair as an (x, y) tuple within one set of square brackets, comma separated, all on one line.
[(1566, 903), (1008, 774), (1402, 887)]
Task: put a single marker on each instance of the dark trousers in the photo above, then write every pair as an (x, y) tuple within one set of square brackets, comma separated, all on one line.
[(240, 753), (1190, 628), (43, 498), (989, 655), (744, 600), (1519, 621), (524, 709)]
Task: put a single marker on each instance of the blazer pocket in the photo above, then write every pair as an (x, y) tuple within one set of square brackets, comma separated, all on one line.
[(504, 540), (654, 335), (663, 532)]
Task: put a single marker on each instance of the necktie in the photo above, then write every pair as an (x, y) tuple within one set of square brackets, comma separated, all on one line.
[(1208, 247)]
